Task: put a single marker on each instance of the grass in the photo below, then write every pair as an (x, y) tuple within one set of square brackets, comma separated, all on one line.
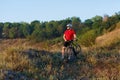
[(109, 39), (43, 65)]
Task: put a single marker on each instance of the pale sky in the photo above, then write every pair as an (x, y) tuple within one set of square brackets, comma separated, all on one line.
[(47, 10)]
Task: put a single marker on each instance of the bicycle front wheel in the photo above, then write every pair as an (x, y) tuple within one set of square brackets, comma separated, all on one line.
[(78, 49)]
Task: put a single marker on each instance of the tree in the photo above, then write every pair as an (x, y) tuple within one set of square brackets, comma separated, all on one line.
[(97, 19), (56, 30), (62, 26), (38, 35), (1, 29), (12, 33), (6, 28), (49, 30), (34, 24), (76, 23), (88, 23), (25, 29)]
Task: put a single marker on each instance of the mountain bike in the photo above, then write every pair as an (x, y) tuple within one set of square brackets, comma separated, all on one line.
[(72, 51)]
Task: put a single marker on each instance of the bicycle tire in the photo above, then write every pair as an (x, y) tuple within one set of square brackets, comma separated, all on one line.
[(66, 52), (69, 54), (77, 49)]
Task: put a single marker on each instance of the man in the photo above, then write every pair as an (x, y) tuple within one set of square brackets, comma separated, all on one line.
[(69, 35)]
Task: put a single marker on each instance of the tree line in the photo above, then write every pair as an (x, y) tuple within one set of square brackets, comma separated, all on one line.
[(39, 31)]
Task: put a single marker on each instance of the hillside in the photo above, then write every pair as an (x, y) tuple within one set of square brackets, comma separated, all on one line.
[(110, 39)]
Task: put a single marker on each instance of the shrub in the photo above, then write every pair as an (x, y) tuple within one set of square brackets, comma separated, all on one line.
[(14, 60), (88, 39)]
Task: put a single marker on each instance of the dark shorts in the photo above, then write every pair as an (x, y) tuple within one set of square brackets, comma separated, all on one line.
[(67, 43)]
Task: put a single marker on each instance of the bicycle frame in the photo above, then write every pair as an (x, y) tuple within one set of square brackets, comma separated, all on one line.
[(77, 47), (72, 50)]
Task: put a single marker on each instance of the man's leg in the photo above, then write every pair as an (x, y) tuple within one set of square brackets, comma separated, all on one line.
[(63, 52)]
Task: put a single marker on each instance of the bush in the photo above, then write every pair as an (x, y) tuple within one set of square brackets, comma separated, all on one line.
[(14, 60), (88, 39)]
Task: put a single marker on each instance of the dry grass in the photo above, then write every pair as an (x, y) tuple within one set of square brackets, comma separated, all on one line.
[(109, 39), (8, 43), (25, 44), (12, 59), (94, 63), (105, 64), (118, 25)]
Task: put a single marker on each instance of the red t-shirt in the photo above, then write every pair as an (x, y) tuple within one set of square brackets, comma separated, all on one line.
[(69, 34)]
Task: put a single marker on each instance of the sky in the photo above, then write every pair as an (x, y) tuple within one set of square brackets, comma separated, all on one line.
[(48, 10)]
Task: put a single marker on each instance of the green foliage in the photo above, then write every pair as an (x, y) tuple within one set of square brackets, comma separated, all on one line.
[(38, 36), (12, 33), (50, 30), (6, 29), (35, 24), (39, 31), (88, 39), (96, 25), (1, 29), (88, 23), (97, 19), (55, 41), (25, 29), (76, 23)]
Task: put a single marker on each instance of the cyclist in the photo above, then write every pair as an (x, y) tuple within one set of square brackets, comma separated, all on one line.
[(68, 36)]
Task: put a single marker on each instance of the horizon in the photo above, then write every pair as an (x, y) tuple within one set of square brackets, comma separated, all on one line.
[(28, 11)]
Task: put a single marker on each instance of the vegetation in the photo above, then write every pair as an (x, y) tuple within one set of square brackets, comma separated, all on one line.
[(31, 51), (88, 39), (109, 40), (28, 64), (37, 31)]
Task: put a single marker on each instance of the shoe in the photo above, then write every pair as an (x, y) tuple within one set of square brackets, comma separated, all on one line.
[(69, 58)]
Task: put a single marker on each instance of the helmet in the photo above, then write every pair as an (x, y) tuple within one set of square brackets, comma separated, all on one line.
[(69, 25)]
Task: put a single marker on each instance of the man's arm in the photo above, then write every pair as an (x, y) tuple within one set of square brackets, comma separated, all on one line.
[(64, 37), (75, 36)]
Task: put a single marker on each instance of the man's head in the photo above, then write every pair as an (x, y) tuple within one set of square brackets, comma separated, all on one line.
[(69, 26)]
